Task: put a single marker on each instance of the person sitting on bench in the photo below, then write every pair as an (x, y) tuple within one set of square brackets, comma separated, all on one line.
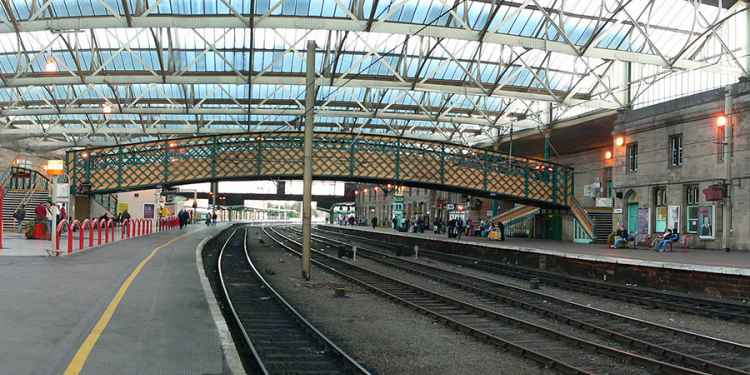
[(621, 238), (666, 240)]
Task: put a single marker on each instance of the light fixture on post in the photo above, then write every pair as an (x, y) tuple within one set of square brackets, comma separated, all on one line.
[(608, 155), (619, 141), (51, 65), (721, 121)]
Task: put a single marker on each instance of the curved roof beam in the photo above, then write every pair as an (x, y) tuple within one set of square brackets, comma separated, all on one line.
[(344, 24)]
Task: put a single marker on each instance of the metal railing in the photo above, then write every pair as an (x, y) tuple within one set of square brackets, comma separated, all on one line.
[(17, 178), (108, 201)]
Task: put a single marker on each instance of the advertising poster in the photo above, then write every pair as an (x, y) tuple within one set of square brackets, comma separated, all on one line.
[(661, 220), (644, 220), (148, 211), (673, 217), (706, 222), (121, 207)]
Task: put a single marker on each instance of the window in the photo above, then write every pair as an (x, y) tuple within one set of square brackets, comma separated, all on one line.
[(632, 157), (660, 202), (691, 200), (675, 150), (720, 143)]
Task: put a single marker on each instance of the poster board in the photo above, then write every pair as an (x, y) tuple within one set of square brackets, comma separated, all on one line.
[(660, 225), (706, 222), (121, 207), (644, 220), (673, 218), (148, 211)]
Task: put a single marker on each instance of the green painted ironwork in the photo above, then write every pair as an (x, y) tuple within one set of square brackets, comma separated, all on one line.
[(336, 156)]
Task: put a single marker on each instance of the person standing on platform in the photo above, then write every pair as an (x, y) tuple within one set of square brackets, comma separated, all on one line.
[(51, 213), (214, 217), (501, 229), (395, 222), (459, 228), (20, 216), (374, 222)]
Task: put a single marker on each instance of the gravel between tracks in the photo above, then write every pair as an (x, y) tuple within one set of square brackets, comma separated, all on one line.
[(733, 331), (383, 335)]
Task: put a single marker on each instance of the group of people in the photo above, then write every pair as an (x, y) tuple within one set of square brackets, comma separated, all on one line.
[(211, 218), (660, 244)]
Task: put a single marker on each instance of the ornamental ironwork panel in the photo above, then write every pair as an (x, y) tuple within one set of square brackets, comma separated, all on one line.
[(340, 156)]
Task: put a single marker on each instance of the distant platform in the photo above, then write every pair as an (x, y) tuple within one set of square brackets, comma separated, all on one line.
[(710, 261)]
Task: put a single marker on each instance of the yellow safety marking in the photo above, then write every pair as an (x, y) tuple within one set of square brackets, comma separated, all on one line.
[(79, 360)]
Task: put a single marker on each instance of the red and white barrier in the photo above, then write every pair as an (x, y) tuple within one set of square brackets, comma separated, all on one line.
[(130, 228), (2, 197)]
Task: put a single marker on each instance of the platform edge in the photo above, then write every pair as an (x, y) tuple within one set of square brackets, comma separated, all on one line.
[(228, 348)]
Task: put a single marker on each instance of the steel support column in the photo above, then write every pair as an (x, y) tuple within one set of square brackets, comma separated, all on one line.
[(307, 173)]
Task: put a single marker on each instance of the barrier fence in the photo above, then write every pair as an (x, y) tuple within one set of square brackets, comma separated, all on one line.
[(130, 228), (2, 197)]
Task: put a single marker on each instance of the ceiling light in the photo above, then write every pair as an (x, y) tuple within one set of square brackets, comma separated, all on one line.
[(50, 66)]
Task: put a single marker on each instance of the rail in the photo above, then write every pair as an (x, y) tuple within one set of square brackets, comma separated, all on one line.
[(559, 351), (685, 349), (327, 354), (582, 216)]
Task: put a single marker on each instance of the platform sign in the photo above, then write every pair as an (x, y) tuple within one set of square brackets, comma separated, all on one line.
[(121, 207)]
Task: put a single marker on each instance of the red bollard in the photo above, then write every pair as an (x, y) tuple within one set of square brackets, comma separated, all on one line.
[(99, 224), (81, 232), (109, 231), (58, 236), (124, 232), (88, 223), (140, 227)]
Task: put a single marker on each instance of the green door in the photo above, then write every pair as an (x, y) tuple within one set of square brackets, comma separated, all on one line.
[(633, 218), (553, 227)]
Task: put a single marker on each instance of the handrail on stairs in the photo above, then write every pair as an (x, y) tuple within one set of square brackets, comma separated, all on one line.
[(582, 216)]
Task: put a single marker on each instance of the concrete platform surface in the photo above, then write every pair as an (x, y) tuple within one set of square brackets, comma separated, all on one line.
[(16, 244), (161, 326), (733, 263)]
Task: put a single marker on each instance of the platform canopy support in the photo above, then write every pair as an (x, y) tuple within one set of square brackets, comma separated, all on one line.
[(307, 175)]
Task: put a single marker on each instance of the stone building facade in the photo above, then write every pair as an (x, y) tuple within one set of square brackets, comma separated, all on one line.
[(674, 167)]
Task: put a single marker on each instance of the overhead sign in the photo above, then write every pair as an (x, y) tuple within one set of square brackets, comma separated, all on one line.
[(55, 167)]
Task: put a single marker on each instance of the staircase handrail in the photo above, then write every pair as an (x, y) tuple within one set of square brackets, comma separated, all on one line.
[(4, 175), (582, 216), (26, 198)]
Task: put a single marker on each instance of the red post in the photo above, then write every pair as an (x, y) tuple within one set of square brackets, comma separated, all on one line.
[(109, 231), (90, 224), (124, 231), (140, 227), (2, 196), (132, 228), (58, 235), (99, 224), (81, 231)]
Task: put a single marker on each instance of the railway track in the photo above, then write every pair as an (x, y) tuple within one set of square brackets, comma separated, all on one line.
[(652, 298), (666, 344), (280, 340), (552, 349)]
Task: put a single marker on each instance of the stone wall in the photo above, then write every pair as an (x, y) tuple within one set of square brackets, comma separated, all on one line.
[(695, 119), (589, 167)]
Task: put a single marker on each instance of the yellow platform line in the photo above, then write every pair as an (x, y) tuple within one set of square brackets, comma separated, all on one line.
[(79, 360)]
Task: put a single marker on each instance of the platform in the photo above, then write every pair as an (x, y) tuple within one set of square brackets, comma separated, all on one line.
[(162, 324), (16, 244), (734, 263)]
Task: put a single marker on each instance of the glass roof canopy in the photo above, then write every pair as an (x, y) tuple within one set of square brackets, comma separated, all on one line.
[(102, 71)]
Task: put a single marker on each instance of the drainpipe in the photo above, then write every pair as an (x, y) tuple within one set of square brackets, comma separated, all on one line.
[(727, 226)]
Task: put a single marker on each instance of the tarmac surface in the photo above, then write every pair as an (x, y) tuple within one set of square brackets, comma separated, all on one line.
[(161, 324)]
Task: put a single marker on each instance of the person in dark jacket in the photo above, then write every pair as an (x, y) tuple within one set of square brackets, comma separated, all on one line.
[(20, 216)]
